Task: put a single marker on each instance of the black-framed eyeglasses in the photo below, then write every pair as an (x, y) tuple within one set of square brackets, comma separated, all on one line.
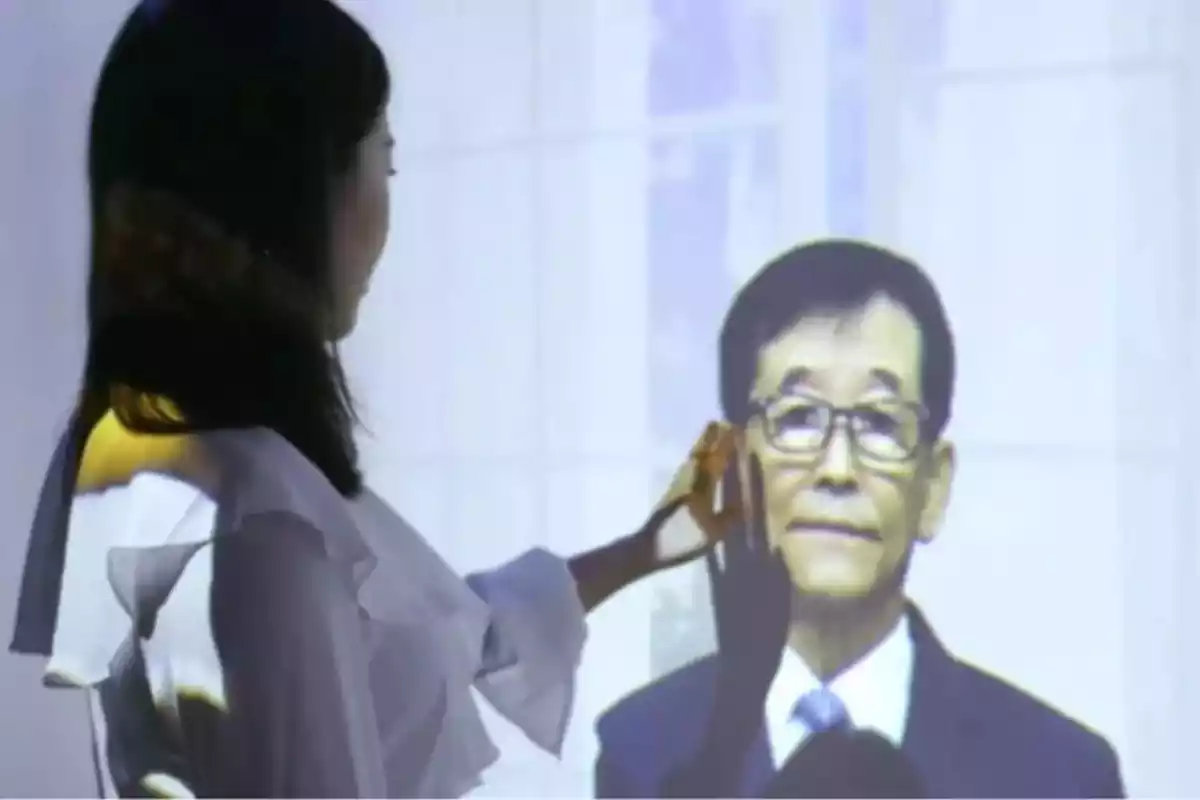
[(888, 431)]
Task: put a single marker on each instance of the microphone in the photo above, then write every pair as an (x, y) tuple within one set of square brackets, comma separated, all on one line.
[(847, 764)]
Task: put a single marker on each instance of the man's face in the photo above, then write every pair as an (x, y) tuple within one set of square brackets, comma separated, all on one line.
[(849, 485)]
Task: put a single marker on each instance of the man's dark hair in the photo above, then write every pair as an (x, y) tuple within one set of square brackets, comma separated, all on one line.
[(220, 133), (834, 276)]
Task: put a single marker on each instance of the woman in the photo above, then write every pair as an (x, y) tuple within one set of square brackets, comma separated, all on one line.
[(248, 619)]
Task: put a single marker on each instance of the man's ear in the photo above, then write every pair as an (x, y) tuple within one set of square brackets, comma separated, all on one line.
[(939, 476)]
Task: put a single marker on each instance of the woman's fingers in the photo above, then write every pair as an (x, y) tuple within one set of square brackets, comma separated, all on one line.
[(706, 441), (710, 460), (709, 455), (732, 500), (757, 534)]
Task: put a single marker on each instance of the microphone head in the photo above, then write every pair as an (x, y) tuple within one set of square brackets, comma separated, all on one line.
[(846, 764)]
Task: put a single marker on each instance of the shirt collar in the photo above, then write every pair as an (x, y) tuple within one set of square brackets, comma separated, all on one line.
[(875, 689)]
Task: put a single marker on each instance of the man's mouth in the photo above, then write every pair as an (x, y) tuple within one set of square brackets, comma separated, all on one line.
[(834, 528)]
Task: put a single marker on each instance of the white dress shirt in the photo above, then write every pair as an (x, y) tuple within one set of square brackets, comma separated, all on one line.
[(875, 692)]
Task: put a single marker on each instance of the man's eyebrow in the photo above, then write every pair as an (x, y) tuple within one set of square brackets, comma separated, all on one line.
[(798, 379), (886, 379), (795, 379)]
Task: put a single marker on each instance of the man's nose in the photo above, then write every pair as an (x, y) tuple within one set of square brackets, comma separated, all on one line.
[(835, 469)]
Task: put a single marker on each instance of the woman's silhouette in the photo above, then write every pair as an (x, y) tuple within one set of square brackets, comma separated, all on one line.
[(246, 618)]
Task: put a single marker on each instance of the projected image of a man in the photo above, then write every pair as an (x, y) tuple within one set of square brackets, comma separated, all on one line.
[(838, 361)]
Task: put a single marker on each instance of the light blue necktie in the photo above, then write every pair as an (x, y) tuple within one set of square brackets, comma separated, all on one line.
[(821, 710)]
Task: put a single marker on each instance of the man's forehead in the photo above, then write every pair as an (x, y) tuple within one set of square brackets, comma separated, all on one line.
[(876, 347)]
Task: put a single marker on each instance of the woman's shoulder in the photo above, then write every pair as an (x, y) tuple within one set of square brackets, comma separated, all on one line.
[(261, 473), (114, 456), (146, 510), (145, 490), (247, 470), (137, 490)]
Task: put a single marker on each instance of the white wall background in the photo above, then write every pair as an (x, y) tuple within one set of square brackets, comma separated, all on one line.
[(582, 185)]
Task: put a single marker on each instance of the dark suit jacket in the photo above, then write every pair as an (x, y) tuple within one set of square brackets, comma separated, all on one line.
[(969, 734)]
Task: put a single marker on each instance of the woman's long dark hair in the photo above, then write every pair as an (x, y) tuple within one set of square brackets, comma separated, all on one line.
[(220, 132)]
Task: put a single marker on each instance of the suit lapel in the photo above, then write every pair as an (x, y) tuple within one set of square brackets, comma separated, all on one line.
[(758, 768), (693, 771), (939, 734)]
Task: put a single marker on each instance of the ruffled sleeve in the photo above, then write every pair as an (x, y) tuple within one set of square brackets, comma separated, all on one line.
[(249, 645), (300, 718), (533, 644)]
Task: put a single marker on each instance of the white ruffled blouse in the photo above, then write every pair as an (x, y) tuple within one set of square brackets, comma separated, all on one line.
[(270, 638)]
